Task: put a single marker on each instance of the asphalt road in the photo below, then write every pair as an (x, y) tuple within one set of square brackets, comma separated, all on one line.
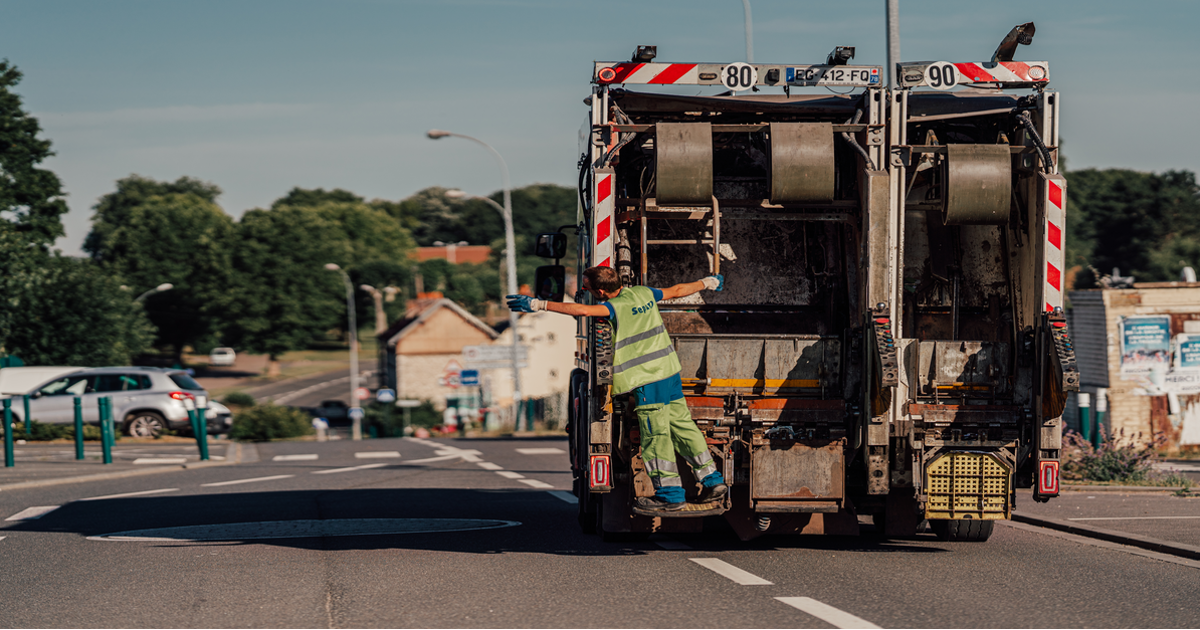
[(478, 533), (309, 391)]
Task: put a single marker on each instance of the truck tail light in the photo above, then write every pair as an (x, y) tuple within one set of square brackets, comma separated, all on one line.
[(600, 468), (1048, 478)]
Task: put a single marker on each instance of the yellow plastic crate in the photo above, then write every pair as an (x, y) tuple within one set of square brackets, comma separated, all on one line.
[(968, 485)]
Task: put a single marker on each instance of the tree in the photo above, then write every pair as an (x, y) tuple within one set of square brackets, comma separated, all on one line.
[(79, 315), (1126, 219), (148, 233), (283, 297), (316, 197), (31, 204)]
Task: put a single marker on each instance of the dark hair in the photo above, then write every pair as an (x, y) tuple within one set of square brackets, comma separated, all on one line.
[(603, 279)]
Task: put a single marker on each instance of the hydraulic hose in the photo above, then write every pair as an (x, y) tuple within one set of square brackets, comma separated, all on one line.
[(1027, 122), (854, 143)]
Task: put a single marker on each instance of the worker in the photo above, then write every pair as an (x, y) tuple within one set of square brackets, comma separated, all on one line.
[(645, 365)]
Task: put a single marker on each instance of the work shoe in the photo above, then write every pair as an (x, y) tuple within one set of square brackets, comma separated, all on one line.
[(652, 506), (713, 493)]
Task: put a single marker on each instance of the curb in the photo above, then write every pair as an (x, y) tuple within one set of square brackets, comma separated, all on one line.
[(234, 455), (1074, 488), (1133, 540)]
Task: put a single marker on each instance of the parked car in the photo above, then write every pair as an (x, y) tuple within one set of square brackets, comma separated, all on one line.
[(222, 357), (331, 410), (145, 400)]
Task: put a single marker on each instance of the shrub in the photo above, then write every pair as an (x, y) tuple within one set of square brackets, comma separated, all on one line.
[(1117, 459), (263, 423), (239, 399), (389, 424)]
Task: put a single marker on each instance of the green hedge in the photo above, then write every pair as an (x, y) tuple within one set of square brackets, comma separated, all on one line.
[(263, 423)]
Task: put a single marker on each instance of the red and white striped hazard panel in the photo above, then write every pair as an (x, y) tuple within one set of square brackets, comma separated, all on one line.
[(602, 218), (1054, 200), (648, 73), (1003, 72)]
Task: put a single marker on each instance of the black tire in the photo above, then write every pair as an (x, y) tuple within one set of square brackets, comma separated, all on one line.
[(962, 530), (145, 424)]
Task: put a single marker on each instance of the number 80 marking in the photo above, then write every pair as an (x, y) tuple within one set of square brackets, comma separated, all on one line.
[(739, 76), (941, 75)]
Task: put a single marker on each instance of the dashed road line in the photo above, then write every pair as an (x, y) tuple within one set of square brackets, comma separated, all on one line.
[(341, 470), (489, 466), (508, 474), (29, 514), (130, 494), (540, 451), (535, 483), (724, 569), (376, 454), (563, 495), (3, 537), (830, 615), (299, 457), (160, 460), (252, 480)]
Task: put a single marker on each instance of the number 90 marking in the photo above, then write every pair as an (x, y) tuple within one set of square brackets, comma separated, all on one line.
[(941, 75), (739, 76)]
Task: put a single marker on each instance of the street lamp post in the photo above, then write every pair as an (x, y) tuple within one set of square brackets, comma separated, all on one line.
[(166, 286), (377, 295), (749, 32), (356, 422), (510, 243)]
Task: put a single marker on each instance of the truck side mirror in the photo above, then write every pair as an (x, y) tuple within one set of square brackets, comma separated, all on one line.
[(552, 245), (551, 282)]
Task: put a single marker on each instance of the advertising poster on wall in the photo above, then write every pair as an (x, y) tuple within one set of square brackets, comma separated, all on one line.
[(1145, 343)]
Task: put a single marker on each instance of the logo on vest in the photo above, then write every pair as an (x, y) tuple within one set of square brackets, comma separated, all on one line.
[(638, 310)]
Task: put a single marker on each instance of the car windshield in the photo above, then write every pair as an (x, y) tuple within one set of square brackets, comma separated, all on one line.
[(184, 381)]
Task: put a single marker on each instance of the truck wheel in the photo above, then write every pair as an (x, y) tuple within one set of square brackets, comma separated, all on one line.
[(962, 530)]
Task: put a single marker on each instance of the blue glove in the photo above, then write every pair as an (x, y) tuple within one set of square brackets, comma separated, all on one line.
[(714, 283), (525, 304)]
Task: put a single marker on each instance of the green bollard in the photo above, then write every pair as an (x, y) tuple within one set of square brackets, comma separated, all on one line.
[(8, 429), (202, 431), (28, 419), (1084, 401), (1101, 408), (106, 438), (78, 428)]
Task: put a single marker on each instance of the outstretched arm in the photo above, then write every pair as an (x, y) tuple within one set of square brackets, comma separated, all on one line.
[(526, 304), (714, 283)]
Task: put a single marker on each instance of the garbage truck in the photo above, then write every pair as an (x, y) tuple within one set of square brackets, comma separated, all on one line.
[(890, 340)]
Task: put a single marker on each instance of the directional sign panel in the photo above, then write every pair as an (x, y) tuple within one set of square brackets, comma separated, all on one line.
[(385, 395), (493, 354), (356, 413), (469, 377)]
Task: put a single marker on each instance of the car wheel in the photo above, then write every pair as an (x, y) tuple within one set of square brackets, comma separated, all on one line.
[(145, 424)]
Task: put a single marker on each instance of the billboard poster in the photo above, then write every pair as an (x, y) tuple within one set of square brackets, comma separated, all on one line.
[(1145, 343), (1187, 352)]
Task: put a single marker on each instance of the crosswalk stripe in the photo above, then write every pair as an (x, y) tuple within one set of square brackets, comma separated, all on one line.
[(825, 612), (28, 514), (722, 568), (376, 454), (508, 474), (489, 466), (535, 483), (299, 457), (540, 451), (339, 470)]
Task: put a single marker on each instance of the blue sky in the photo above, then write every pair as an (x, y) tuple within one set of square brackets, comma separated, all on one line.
[(258, 96)]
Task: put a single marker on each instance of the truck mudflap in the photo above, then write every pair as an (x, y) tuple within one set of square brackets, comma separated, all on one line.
[(968, 485)]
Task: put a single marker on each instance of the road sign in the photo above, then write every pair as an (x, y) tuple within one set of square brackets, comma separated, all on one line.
[(356, 413), (494, 354), (469, 377), (362, 393), (385, 395)]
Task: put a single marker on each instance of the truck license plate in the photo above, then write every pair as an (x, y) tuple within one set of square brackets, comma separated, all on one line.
[(832, 75)]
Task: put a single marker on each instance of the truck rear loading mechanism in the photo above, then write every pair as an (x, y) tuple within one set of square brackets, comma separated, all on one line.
[(890, 340)]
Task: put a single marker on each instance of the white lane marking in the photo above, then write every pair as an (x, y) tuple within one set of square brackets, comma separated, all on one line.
[(28, 514), (338, 470), (376, 454), (725, 569), (280, 399), (467, 455), (130, 494), (160, 460), (1129, 518), (563, 495), (826, 613), (299, 457), (237, 481), (536, 484), (673, 545), (508, 474), (430, 460), (3, 537), (489, 466), (540, 451)]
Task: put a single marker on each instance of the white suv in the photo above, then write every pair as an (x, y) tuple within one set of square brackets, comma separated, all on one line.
[(145, 400)]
